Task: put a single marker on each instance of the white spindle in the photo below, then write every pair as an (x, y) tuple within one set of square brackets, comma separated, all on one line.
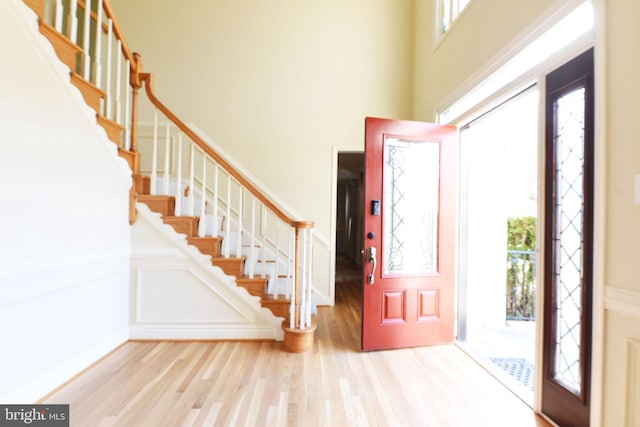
[(179, 178), (86, 63), (154, 158), (109, 109), (203, 199), (276, 273), (97, 58), (167, 143), (72, 20), (309, 274), (263, 229), (118, 113), (58, 12), (127, 105), (215, 200), (228, 227), (308, 271), (252, 258), (302, 304), (191, 178), (240, 213), (292, 288)]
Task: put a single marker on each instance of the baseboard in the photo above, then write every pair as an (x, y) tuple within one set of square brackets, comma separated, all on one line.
[(189, 332)]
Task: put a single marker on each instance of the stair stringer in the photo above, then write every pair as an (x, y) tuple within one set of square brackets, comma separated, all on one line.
[(29, 22), (177, 294)]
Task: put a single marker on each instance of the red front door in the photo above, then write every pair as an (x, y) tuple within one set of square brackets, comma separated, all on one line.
[(409, 227)]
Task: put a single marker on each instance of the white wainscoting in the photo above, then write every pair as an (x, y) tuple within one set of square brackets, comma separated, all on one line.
[(622, 366), (177, 294), (633, 383)]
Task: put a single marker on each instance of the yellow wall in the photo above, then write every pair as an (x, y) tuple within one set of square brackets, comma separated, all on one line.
[(278, 83)]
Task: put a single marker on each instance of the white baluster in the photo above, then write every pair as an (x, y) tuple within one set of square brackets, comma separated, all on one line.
[(167, 143), (228, 226), (252, 258), (58, 12), (263, 228), (97, 58), (303, 274), (127, 105), (191, 180), (240, 213), (118, 114), (290, 263), (86, 63), (215, 200), (154, 158), (276, 273), (179, 179), (72, 20), (109, 109), (203, 199), (292, 295), (309, 271)]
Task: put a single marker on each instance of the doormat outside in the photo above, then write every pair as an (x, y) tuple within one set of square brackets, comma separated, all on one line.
[(520, 369)]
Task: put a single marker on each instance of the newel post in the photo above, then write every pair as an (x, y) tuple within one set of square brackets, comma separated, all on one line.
[(298, 332), (138, 181)]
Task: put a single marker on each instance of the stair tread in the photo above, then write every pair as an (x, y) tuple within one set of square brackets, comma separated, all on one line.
[(246, 278), (281, 299)]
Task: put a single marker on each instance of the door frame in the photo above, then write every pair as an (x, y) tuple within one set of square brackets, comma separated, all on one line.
[(536, 75)]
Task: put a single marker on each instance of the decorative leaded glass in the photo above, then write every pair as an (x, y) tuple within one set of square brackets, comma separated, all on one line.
[(411, 181), (568, 239)]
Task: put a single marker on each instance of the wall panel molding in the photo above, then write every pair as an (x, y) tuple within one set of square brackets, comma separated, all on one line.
[(622, 301), (633, 383)]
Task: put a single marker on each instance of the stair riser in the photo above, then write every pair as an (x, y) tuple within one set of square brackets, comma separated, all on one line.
[(230, 266), (164, 205), (183, 225), (278, 308), (207, 245)]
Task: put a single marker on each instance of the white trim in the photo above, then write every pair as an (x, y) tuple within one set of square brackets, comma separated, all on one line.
[(194, 331), (527, 36), (622, 301), (600, 210), (632, 409)]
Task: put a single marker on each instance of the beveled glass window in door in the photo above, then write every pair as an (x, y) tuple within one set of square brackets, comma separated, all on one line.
[(411, 181), (568, 238)]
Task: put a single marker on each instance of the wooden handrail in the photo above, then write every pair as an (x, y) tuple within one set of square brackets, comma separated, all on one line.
[(147, 78)]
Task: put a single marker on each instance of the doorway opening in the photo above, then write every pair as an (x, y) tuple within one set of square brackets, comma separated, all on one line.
[(349, 215), (497, 240)]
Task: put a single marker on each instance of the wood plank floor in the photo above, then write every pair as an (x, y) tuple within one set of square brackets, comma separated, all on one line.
[(258, 384)]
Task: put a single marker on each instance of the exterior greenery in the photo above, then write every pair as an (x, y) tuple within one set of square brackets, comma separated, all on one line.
[(521, 268)]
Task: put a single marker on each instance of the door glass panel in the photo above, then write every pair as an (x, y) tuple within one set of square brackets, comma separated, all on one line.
[(568, 238), (411, 181)]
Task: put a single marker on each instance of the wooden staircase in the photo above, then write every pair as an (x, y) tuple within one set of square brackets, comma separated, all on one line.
[(232, 266), (73, 55)]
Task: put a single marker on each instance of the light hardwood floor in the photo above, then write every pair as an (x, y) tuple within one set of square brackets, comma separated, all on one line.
[(258, 384)]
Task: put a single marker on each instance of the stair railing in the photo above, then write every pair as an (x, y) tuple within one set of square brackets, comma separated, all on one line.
[(206, 185), (106, 62)]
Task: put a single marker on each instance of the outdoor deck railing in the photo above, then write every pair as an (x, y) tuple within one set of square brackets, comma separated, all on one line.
[(521, 285)]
